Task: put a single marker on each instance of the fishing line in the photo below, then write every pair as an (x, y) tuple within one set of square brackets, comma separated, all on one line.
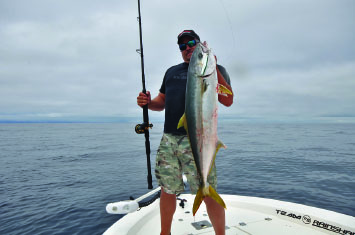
[(230, 28)]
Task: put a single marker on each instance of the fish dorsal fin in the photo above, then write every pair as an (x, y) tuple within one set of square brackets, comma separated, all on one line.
[(182, 122), (222, 90)]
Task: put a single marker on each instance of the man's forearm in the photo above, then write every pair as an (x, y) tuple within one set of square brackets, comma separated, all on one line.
[(158, 103), (225, 100)]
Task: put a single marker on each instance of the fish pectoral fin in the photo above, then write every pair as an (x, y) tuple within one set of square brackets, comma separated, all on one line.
[(182, 122), (215, 196), (222, 90), (205, 85), (198, 200)]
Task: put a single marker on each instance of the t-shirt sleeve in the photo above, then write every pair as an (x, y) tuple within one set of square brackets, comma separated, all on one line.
[(225, 74), (162, 88)]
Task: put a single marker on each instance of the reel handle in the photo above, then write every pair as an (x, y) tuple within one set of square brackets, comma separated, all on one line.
[(141, 128)]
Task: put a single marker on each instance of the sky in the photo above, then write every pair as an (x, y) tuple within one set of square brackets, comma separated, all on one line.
[(77, 60)]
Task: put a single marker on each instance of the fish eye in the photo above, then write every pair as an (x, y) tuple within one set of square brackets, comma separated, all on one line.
[(200, 56)]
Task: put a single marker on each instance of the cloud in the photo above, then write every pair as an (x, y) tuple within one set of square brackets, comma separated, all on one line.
[(317, 92), (78, 59)]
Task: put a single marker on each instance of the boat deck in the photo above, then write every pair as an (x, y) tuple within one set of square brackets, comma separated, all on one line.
[(244, 215)]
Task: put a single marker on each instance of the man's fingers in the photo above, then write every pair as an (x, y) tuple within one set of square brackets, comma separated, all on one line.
[(143, 99)]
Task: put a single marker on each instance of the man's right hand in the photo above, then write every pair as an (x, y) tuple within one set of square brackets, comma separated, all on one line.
[(143, 99)]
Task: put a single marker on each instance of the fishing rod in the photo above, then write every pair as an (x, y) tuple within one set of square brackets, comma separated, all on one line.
[(144, 127)]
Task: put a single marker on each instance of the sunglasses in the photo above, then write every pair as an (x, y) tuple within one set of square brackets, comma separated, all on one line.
[(191, 43)]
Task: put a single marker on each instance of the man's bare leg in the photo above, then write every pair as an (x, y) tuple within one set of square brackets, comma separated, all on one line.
[(216, 214), (167, 210)]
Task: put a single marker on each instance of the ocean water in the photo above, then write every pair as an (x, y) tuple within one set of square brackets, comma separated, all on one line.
[(58, 178)]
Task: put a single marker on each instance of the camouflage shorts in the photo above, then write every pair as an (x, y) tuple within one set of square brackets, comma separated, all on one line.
[(174, 158)]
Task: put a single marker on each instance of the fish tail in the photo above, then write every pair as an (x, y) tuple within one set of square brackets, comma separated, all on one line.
[(198, 200), (215, 196), (202, 193)]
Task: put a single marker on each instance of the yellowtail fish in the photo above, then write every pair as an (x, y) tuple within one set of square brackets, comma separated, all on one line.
[(200, 118)]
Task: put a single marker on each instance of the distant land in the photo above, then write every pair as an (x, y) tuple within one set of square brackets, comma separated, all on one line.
[(137, 119), (77, 120)]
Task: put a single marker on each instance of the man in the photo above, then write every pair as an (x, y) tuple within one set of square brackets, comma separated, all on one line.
[(174, 155)]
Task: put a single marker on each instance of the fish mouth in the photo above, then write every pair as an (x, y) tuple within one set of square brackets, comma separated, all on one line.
[(204, 48)]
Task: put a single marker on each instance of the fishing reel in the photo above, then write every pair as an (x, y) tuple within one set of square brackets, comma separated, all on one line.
[(141, 128)]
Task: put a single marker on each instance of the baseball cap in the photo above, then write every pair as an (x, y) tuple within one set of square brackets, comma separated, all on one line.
[(190, 33)]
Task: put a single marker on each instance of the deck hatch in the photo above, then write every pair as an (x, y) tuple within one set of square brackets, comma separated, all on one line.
[(201, 225)]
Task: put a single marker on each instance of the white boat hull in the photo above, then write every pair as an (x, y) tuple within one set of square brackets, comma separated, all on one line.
[(244, 215)]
